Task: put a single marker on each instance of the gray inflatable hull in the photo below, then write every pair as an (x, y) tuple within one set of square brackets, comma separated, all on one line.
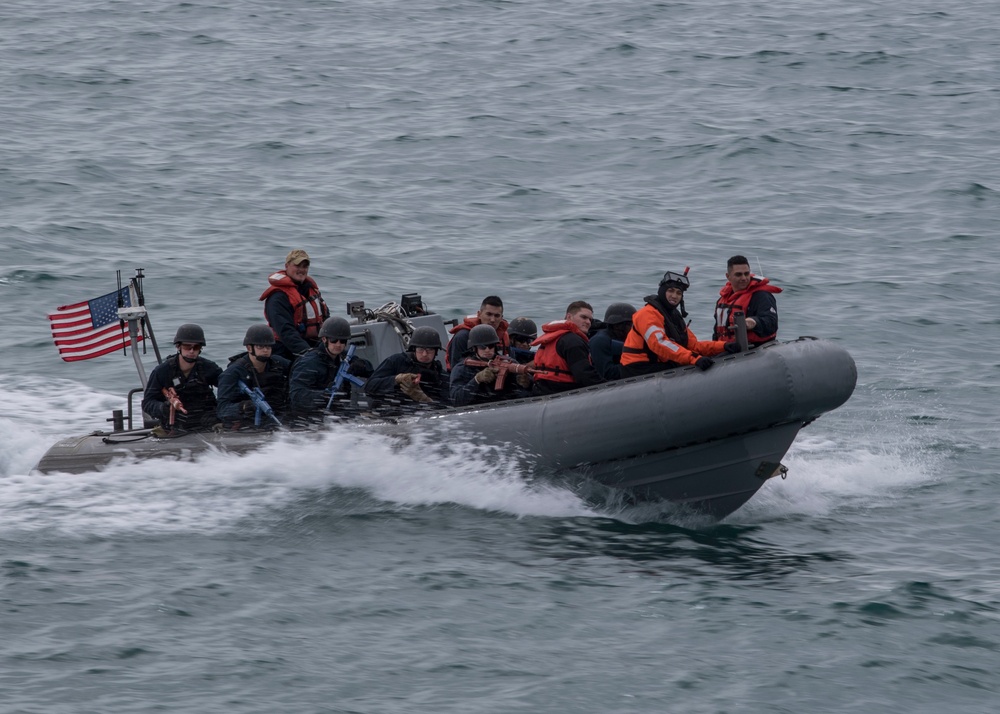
[(707, 439)]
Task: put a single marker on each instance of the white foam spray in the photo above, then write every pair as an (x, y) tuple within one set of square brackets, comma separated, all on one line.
[(220, 491)]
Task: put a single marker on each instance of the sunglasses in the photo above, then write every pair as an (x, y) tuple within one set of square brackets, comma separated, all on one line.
[(336, 342), (187, 346)]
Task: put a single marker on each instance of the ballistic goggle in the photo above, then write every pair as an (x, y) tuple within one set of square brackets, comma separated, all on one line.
[(679, 280)]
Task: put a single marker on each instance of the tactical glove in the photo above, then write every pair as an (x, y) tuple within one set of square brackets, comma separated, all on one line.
[(415, 393), (405, 379), (704, 363), (732, 347), (487, 375)]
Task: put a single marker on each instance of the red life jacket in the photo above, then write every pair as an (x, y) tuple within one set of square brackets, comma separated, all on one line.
[(308, 312), (731, 301), (546, 358), (468, 323)]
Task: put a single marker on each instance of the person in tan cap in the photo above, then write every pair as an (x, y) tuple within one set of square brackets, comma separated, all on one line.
[(294, 307)]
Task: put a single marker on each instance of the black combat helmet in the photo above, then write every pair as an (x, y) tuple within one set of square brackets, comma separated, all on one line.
[(618, 312), (259, 335), (426, 337), (190, 333), (482, 336), (335, 328), (523, 329)]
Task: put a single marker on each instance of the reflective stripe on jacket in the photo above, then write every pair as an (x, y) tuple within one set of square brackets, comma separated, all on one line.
[(647, 341)]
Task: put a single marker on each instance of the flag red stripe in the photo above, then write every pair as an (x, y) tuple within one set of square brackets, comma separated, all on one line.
[(70, 320), (112, 333), (76, 357), (71, 354), (59, 334)]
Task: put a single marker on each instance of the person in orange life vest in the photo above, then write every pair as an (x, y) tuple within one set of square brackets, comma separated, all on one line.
[(475, 384), (564, 352), (294, 307), (660, 339), (754, 296), (490, 313)]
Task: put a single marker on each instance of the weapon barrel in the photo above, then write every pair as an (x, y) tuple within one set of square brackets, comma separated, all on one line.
[(257, 397), (341, 374)]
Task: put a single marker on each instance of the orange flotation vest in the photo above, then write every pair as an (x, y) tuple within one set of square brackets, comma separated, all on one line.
[(731, 302), (547, 359), (309, 311)]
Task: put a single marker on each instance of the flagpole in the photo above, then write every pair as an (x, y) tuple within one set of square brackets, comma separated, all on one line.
[(141, 302), (134, 315)]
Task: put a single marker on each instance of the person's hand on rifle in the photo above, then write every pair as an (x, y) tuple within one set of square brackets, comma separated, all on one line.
[(487, 375), (171, 394)]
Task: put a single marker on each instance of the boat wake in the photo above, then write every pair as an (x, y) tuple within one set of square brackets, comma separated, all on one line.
[(345, 473), (824, 478), (348, 473)]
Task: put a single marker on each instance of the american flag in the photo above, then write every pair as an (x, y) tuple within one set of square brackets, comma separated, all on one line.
[(91, 328)]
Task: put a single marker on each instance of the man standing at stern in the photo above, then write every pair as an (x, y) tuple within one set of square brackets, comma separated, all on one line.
[(293, 307)]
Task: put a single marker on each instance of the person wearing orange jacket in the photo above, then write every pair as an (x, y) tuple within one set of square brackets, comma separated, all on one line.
[(660, 339)]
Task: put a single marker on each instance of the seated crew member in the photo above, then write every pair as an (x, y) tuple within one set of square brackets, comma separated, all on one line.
[(660, 339), (522, 333), (293, 307), (564, 352), (257, 369), (754, 296), (608, 337), (315, 372), (474, 383), (490, 313), (413, 376), (183, 381)]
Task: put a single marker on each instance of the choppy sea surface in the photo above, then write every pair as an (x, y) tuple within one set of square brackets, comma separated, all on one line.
[(545, 152)]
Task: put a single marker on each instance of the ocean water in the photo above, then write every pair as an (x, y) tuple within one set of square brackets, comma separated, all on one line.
[(545, 153)]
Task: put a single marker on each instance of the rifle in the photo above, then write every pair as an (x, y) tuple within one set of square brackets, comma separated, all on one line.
[(343, 374), (175, 404), (504, 365), (257, 397)]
